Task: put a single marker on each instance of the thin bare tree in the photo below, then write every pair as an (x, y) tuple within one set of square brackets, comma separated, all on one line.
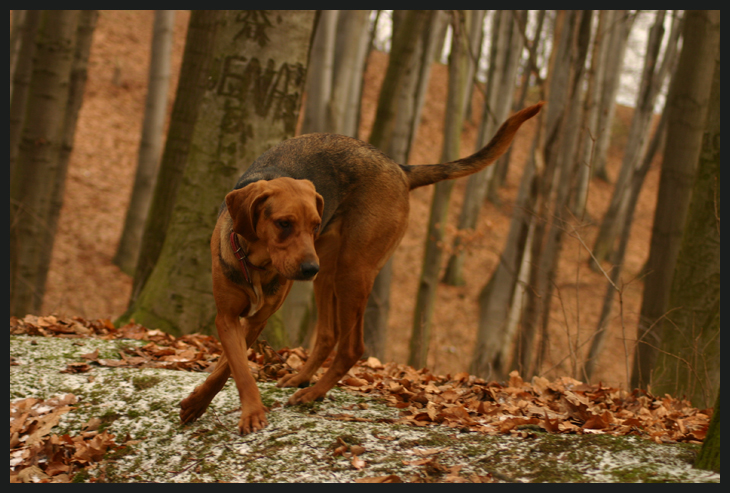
[(652, 79), (459, 67), (150, 146), (504, 55), (619, 26)]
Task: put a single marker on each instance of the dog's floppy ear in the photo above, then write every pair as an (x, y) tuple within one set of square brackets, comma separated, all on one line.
[(320, 204), (244, 206)]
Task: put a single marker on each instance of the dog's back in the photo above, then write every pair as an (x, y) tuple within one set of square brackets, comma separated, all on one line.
[(337, 165)]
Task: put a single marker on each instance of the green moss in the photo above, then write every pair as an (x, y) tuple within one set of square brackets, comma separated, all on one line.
[(81, 477), (145, 382)]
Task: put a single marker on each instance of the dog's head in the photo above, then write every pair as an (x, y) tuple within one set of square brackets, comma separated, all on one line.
[(284, 216)]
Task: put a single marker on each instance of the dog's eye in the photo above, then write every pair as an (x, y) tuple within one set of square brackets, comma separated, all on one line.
[(283, 224), (316, 229)]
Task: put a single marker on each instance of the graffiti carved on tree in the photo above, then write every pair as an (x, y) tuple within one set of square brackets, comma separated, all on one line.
[(255, 23)]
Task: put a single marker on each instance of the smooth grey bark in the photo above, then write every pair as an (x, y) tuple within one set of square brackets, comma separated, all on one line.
[(497, 105), (491, 353), (614, 285), (589, 124), (652, 79), (350, 51), (77, 85), (150, 147), (427, 53), (319, 78), (619, 27), (507, 89), (459, 68), (529, 72)]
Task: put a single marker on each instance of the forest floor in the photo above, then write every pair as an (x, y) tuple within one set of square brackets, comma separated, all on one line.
[(84, 282), (92, 403)]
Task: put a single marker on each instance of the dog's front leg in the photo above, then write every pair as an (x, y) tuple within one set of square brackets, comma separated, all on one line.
[(194, 405), (233, 337)]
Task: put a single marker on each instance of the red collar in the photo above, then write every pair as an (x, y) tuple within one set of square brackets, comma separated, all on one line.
[(243, 258)]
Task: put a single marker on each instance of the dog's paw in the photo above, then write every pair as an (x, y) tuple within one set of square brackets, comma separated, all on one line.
[(305, 396), (252, 421), (192, 407), (293, 380)]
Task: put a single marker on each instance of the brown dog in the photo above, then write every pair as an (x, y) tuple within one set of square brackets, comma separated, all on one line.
[(324, 207)]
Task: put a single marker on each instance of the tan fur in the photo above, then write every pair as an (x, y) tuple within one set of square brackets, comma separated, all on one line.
[(360, 197)]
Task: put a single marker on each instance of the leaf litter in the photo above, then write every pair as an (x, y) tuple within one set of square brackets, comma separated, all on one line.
[(459, 406)]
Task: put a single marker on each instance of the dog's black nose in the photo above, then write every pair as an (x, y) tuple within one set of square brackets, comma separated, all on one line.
[(309, 269)]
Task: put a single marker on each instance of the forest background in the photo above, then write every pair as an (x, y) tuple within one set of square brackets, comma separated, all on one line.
[(83, 280)]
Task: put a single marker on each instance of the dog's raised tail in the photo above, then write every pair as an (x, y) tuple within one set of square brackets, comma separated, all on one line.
[(426, 174)]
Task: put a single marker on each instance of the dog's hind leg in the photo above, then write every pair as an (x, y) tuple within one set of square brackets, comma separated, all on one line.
[(326, 331), (350, 307)]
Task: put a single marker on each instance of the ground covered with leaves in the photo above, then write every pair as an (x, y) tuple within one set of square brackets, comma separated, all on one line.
[(90, 402)]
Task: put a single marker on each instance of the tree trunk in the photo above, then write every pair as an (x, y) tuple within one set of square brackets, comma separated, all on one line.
[(589, 125), (459, 62), (23, 70), (428, 45), (350, 52), (615, 285), (542, 259), (619, 28), (475, 31), (709, 456), (495, 297), (528, 72), (17, 21), (559, 88), (193, 81), (545, 256), (651, 82), (491, 351), (391, 134), (319, 78), (688, 363), (38, 163), (497, 105), (77, 85), (506, 90), (688, 104), (250, 104), (151, 142)]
